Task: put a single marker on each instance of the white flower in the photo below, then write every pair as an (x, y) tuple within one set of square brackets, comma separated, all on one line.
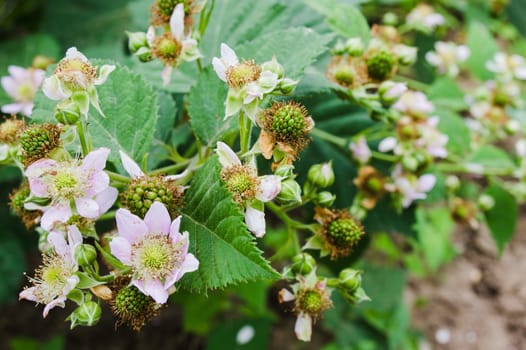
[(423, 17), (414, 103), (411, 187), (248, 82), (173, 47), (56, 277), (74, 80), (507, 67), (360, 150), (21, 85), (247, 188), (431, 139), (447, 56)]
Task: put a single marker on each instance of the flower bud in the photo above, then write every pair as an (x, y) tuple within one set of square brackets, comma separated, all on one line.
[(144, 54), (390, 19), (410, 163), (41, 62), (286, 86), (290, 192), (406, 54), (354, 46), (350, 279), (67, 113), (452, 182), (136, 41), (85, 254), (512, 127), (389, 92), (285, 171), (274, 67), (87, 314), (321, 175), (486, 202), (303, 264), (339, 49), (325, 199)]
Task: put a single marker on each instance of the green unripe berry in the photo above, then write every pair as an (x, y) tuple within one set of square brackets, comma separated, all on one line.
[(344, 232), (311, 302), (289, 121), (380, 65)]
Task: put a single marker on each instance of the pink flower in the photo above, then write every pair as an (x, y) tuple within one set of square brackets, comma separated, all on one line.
[(155, 250), (56, 278), (360, 150), (21, 85), (411, 187), (414, 103), (71, 187)]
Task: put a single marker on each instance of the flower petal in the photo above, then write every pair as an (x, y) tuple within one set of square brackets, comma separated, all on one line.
[(60, 301), (54, 89), (58, 242), (96, 160), (166, 75), (269, 187), (104, 72), (106, 198), (255, 220), (426, 182), (387, 144), (130, 166), (130, 226), (121, 249), (57, 213), (73, 54), (227, 157), (228, 56), (175, 235), (177, 22), (219, 68), (14, 108), (189, 264), (87, 207), (10, 86), (153, 288), (303, 327), (158, 219)]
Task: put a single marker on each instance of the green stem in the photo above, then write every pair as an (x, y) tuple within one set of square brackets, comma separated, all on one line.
[(462, 168), (82, 137), (117, 177), (199, 65), (326, 136), (383, 156), (170, 168), (245, 129), (108, 215)]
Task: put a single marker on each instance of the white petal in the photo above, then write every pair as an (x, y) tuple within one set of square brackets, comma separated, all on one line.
[(219, 68), (74, 235), (58, 242), (303, 327), (227, 157), (387, 144), (426, 182), (175, 234), (269, 187), (53, 89), (121, 249), (96, 160), (19, 73), (57, 213), (130, 166), (10, 86), (106, 198), (72, 53), (87, 208), (104, 72), (228, 56), (177, 22), (285, 295), (166, 75), (255, 220), (150, 35)]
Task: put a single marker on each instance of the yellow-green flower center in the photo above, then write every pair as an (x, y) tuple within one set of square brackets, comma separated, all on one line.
[(51, 278), (25, 92), (245, 72), (242, 182), (65, 182), (344, 75), (155, 257)]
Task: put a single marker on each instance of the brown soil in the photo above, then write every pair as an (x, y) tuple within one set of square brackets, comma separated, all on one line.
[(478, 302)]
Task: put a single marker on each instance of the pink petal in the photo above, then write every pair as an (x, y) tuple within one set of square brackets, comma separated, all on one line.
[(74, 236), (96, 160), (14, 108), (255, 220), (426, 182), (175, 235), (87, 207), (106, 198), (58, 242), (121, 249), (189, 264), (158, 219), (303, 327), (97, 183), (130, 226), (269, 188), (55, 214), (38, 188), (60, 301), (130, 166), (153, 288), (27, 294), (19, 73), (10, 86), (27, 108)]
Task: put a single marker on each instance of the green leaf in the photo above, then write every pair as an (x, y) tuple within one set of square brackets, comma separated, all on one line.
[(131, 109), (344, 19), (459, 138), (206, 107), (492, 157), (445, 93), (502, 218), (295, 49), (483, 47), (225, 336), (219, 239), (434, 227)]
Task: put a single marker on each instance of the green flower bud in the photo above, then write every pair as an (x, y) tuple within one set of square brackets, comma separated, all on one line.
[(87, 314), (410, 163), (350, 279), (273, 66), (512, 127), (85, 254), (390, 19), (303, 264), (67, 113), (136, 41), (321, 175), (339, 49), (325, 199), (354, 47), (452, 182), (285, 171), (380, 65), (286, 86), (41, 62), (144, 54), (486, 202), (290, 192)]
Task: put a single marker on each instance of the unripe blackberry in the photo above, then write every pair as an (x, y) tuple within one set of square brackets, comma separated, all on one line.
[(131, 306), (11, 129), (312, 301), (38, 141), (166, 7), (289, 121), (17, 199), (380, 65), (344, 232), (144, 190), (242, 181), (344, 75)]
